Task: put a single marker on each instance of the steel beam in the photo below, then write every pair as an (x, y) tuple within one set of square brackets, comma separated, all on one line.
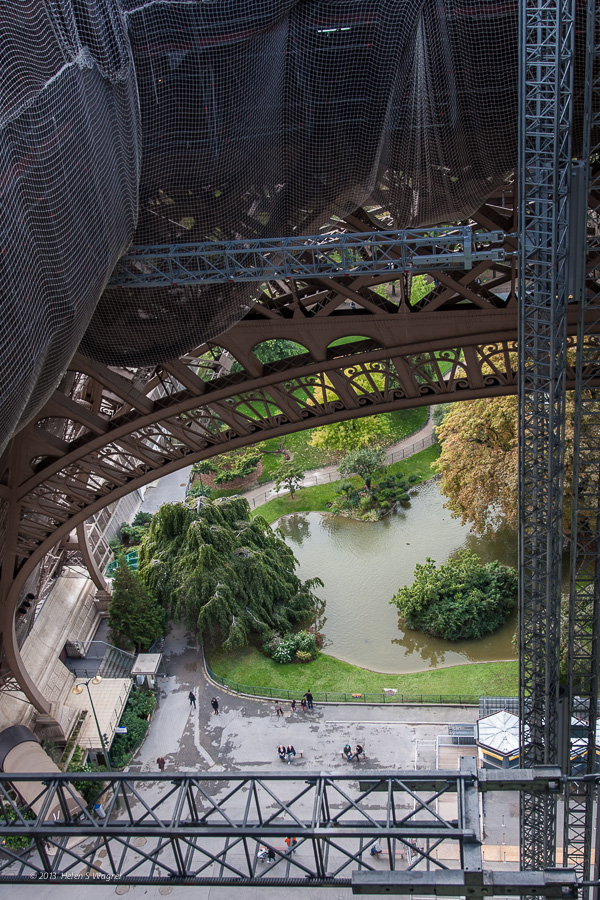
[(545, 120), (307, 256), (584, 593)]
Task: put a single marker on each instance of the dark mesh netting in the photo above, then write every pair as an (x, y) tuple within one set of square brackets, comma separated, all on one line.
[(258, 118), (69, 170)]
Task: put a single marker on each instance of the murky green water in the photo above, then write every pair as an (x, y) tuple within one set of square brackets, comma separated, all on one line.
[(364, 564)]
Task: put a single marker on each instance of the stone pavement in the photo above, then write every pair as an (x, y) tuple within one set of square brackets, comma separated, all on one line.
[(245, 735)]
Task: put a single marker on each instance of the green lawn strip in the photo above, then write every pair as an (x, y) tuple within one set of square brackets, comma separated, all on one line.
[(403, 422), (314, 499), (249, 667)]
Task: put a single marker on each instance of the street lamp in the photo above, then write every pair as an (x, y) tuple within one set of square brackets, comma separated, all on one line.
[(78, 689)]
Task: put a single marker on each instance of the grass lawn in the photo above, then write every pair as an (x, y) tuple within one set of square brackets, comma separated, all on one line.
[(402, 422), (315, 498), (327, 674)]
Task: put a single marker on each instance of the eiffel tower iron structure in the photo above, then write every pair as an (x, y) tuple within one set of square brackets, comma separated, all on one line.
[(514, 287)]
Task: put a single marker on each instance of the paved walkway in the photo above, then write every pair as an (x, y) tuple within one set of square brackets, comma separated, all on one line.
[(172, 487), (415, 442)]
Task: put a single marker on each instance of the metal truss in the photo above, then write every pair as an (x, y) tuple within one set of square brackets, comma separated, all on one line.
[(307, 256), (209, 829), (584, 605), (545, 109)]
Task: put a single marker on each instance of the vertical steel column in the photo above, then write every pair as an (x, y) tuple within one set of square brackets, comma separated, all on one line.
[(584, 593), (545, 115)]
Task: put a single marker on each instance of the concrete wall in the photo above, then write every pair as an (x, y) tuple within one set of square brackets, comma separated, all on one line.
[(69, 613)]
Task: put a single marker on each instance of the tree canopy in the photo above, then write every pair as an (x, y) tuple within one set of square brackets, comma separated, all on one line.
[(134, 616), (364, 462), (291, 475), (460, 600), (222, 572), (479, 462)]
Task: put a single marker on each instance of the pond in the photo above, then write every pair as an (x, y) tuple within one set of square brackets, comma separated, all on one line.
[(363, 564)]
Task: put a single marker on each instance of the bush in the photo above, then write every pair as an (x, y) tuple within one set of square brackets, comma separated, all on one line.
[(135, 718), (301, 645), (463, 599), (89, 790), (285, 652), (13, 841)]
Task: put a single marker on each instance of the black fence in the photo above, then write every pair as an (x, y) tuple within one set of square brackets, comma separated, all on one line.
[(282, 694)]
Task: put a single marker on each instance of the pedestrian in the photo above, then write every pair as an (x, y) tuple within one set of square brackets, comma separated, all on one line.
[(309, 699), (282, 751), (293, 704), (271, 855), (192, 699), (303, 704), (215, 705), (357, 752), (278, 708), (261, 853), (291, 843), (290, 752), (347, 751), (160, 762), (376, 850)]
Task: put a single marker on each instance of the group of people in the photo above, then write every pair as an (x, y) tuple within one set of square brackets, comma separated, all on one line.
[(214, 703), (307, 701), (351, 754), (286, 753), (268, 854)]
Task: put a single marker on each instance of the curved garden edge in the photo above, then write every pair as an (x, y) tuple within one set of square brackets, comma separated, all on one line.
[(345, 680)]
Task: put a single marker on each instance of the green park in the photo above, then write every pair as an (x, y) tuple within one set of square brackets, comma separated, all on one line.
[(273, 589)]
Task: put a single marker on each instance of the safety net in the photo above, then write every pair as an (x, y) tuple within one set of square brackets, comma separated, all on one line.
[(166, 122)]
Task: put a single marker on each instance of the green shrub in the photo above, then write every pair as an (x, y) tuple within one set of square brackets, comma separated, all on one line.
[(463, 599), (285, 651), (135, 719), (89, 790), (304, 656), (13, 841)]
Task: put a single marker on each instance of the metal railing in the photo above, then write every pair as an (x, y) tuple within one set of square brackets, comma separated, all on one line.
[(324, 478), (270, 693)]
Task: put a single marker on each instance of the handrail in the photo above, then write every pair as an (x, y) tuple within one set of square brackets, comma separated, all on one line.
[(399, 699)]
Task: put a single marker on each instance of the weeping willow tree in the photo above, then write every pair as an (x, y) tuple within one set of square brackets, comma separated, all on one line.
[(222, 572)]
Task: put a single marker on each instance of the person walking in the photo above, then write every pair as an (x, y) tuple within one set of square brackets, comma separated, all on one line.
[(290, 752), (278, 709), (303, 704), (309, 699), (160, 762), (293, 705), (215, 705), (291, 843), (192, 699)]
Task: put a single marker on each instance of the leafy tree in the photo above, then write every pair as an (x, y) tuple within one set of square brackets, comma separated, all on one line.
[(142, 518), (291, 476), (340, 437), (222, 572), (134, 616), (363, 462), (463, 599), (479, 462)]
